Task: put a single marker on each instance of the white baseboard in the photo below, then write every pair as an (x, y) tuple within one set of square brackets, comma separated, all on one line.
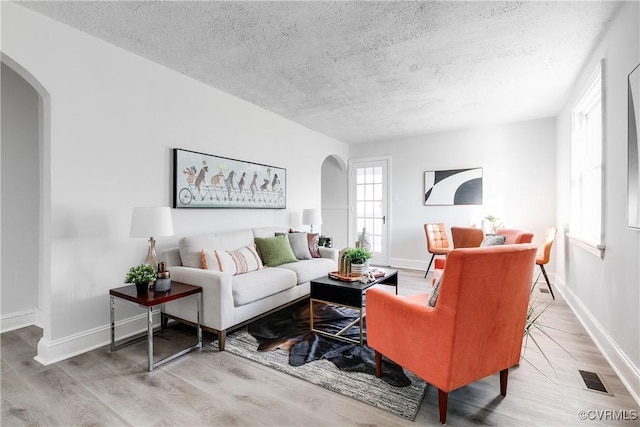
[(628, 373), (12, 321), (410, 264), (56, 350)]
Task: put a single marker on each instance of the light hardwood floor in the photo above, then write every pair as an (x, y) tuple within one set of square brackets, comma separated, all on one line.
[(207, 388)]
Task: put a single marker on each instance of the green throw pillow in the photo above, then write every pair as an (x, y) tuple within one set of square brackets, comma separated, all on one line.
[(275, 250)]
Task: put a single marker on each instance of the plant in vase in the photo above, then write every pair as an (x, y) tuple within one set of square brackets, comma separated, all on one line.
[(141, 275), (534, 324), (357, 257)]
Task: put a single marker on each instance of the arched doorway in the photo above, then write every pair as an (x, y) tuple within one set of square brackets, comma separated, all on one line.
[(26, 199), (335, 200)]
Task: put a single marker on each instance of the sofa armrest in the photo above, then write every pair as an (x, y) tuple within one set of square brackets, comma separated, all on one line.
[(217, 296), (330, 253)]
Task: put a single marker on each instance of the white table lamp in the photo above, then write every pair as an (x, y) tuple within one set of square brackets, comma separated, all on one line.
[(149, 222), (311, 217)]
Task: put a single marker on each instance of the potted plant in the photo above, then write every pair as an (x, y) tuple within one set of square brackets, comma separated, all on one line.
[(533, 323), (357, 257), (142, 276)]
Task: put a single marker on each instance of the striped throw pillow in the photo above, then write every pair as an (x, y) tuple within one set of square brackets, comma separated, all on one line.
[(235, 262)]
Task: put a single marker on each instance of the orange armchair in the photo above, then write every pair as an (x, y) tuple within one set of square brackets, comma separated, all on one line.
[(475, 328), (515, 236), (437, 241), (466, 237)]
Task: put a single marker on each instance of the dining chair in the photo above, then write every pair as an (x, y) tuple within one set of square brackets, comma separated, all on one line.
[(544, 253), (437, 241), (515, 236), (466, 237)]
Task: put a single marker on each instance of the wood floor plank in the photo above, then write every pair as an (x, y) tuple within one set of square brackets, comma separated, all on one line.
[(209, 388)]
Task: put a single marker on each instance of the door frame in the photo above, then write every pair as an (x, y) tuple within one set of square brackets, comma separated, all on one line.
[(351, 211)]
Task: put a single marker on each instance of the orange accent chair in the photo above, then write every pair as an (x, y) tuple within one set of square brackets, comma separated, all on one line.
[(475, 328), (437, 241), (544, 253), (515, 236), (466, 237)]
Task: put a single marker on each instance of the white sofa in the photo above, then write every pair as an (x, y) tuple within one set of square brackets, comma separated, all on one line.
[(230, 301)]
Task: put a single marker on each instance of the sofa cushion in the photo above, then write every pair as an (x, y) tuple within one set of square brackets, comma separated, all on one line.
[(433, 297), (299, 245), (254, 286), (312, 239), (268, 231), (275, 250), (191, 246), (493, 240), (238, 261), (310, 269), (314, 249)]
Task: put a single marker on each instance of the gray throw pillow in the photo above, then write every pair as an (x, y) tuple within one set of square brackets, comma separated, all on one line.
[(493, 240), (299, 245), (433, 298)]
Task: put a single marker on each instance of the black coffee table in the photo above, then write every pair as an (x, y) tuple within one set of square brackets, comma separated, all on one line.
[(347, 294)]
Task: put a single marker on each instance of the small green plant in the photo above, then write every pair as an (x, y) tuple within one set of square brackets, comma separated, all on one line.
[(142, 273), (357, 255), (322, 240), (491, 218)]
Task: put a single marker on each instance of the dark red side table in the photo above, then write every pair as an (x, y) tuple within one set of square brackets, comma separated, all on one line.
[(149, 300)]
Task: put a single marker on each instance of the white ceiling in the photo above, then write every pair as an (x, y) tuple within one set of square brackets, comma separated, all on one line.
[(363, 71)]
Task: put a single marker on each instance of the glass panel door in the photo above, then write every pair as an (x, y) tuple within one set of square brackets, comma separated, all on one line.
[(369, 207)]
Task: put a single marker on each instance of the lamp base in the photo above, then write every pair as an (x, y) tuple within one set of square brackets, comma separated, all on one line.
[(152, 258)]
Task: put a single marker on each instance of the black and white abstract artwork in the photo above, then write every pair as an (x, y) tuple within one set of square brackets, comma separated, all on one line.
[(453, 187), (633, 160)]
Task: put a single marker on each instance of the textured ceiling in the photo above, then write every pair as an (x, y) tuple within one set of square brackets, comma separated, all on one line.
[(363, 71)]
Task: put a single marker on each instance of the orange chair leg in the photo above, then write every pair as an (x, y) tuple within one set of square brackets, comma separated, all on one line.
[(426, 272), (378, 357), (544, 272), (442, 406)]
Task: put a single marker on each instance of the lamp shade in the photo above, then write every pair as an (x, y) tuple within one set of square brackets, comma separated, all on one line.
[(148, 222), (311, 217)]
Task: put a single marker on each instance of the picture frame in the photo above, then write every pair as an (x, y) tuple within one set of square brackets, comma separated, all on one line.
[(633, 149), (208, 181), (453, 187)]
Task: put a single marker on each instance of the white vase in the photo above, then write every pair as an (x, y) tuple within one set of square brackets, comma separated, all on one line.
[(358, 269), (363, 240)]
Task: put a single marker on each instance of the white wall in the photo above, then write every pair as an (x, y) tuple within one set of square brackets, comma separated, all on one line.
[(115, 118), (20, 201), (605, 293), (335, 202), (518, 182)]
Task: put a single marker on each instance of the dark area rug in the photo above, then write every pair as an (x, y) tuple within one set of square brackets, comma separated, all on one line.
[(283, 341)]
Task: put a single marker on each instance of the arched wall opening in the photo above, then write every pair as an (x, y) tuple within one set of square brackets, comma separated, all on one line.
[(335, 201), (26, 200)]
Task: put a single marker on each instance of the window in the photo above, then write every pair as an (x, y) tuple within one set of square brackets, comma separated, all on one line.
[(586, 166)]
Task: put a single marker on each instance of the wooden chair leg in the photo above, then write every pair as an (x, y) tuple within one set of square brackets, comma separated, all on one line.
[(222, 335), (442, 405), (504, 376), (426, 272), (544, 273), (378, 358)]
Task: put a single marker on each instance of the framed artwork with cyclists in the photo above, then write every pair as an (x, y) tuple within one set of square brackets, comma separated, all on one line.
[(207, 181)]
